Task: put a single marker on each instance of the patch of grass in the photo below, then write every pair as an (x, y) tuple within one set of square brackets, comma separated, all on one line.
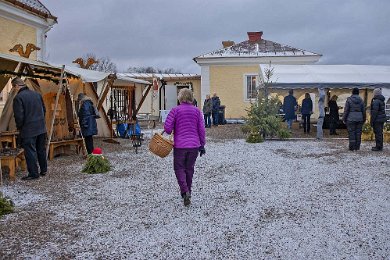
[(6, 205)]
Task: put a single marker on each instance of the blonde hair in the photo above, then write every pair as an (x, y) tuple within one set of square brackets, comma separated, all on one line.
[(185, 96)]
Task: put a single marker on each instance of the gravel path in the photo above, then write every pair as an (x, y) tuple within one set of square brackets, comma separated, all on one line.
[(278, 199)]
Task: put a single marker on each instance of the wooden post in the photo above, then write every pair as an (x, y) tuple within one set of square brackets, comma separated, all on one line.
[(143, 99), (1, 175), (60, 87), (105, 90)]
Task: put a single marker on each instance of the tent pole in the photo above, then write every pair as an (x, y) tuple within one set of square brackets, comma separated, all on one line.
[(143, 99), (60, 87)]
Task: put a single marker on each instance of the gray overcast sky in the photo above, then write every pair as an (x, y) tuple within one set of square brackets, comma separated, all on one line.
[(168, 34)]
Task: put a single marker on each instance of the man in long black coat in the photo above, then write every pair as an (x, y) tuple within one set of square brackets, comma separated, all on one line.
[(29, 113), (378, 118)]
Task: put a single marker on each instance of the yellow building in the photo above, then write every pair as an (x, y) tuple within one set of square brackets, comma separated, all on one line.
[(232, 71), (23, 22)]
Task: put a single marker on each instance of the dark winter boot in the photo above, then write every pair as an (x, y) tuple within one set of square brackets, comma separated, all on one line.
[(187, 199), (376, 149)]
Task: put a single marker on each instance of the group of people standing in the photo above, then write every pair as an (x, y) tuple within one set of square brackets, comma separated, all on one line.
[(211, 108), (354, 115)]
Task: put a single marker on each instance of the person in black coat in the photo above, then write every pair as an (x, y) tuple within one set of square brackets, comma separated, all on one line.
[(354, 117), (87, 119), (29, 113), (289, 107), (333, 114), (215, 110), (307, 110), (378, 118)]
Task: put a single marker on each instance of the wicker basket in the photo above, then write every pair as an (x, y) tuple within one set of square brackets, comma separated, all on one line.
[(160, 145)]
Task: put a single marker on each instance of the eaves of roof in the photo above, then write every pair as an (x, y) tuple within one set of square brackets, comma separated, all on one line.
[(44, 13)]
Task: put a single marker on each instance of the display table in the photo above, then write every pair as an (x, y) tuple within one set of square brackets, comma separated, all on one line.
[(77, 142), (12, 158)]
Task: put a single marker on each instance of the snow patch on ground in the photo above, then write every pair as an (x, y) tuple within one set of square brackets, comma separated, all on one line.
[(281, 199)]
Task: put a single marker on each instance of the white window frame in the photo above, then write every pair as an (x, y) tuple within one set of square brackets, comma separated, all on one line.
[(246, 98)]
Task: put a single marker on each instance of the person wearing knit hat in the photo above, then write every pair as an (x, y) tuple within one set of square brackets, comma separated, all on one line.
[(87, 120), (354, 117), (378, 118), (29, 113)]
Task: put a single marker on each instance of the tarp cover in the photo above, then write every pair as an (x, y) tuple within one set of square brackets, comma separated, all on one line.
[(328, 76), (87, 75), (96, 76)]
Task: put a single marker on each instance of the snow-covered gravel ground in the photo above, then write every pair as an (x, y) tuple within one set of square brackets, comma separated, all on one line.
[(277, 199)]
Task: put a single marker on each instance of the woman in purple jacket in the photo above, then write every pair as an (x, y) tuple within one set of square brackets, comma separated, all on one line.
[(186, 122)]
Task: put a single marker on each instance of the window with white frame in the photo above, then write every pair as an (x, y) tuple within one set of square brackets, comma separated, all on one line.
[(250, 86)]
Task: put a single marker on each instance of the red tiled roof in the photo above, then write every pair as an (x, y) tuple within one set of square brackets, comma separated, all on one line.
[(34, 6)]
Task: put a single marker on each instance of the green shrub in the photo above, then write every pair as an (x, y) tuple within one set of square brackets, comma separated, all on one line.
[(96, 164), (284, 133), (367, 128), (386, 127), (246, 129), (6, 205), (255, 138)]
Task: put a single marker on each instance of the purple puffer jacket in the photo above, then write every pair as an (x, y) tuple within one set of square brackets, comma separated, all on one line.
[(187, 124)]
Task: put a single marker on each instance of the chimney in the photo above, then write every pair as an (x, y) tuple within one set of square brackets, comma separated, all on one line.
[(227, 44), (254, 36)]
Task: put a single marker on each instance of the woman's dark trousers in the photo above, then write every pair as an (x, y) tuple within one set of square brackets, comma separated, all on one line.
[(207, 120), (306, 123), (378, 131), (354, 134), (184, 163), (89, 143), (333, 125)]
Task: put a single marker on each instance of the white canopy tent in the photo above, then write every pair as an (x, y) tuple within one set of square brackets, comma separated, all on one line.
[(327, 76), (304, 78)]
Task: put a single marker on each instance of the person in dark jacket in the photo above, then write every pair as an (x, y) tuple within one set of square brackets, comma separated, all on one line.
[(306, 110), (87, 119), (333, 114), (289, 106), (207, 109), (29, 113), (378, 118), (215, 111), (354, 117)]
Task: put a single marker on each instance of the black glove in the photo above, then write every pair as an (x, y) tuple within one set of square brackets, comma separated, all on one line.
[(202, 151)]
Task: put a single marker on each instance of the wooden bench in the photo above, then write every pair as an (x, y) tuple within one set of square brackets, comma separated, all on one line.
[(77, 142), (13, 161), (9, 137)]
